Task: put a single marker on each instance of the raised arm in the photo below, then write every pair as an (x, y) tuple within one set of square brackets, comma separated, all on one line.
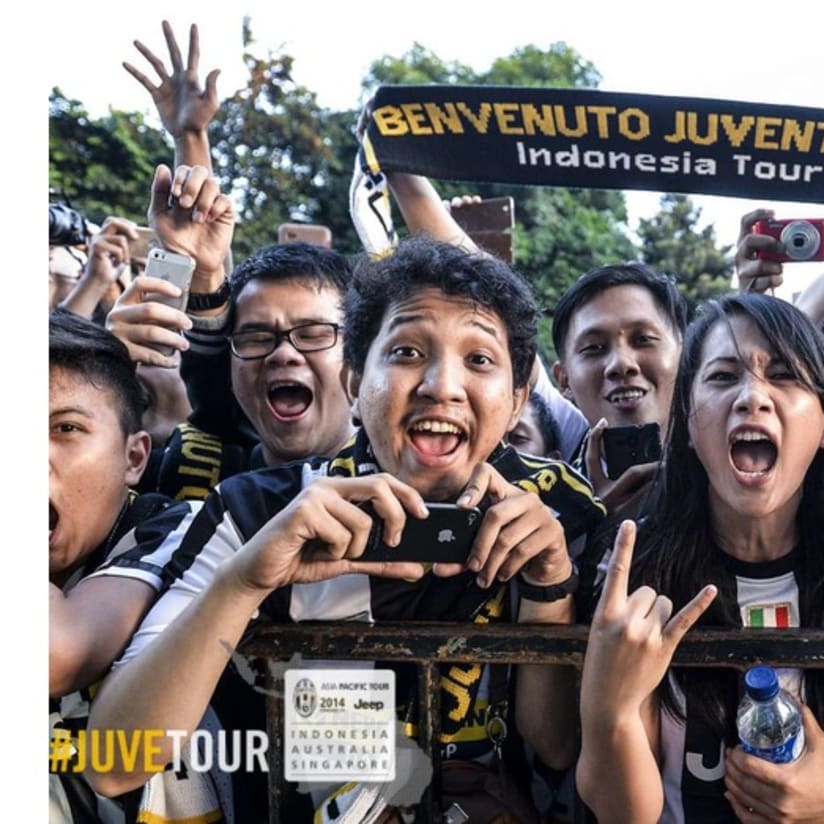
[(754, 273), (424, 211), (189, 214), (631, 643), (108, 257), (420, 205), (185, 107)]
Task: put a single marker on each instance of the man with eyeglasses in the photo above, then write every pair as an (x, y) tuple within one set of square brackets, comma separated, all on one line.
[(286, 350), (271, 332)]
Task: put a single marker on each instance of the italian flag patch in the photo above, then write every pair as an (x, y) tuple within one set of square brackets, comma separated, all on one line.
[(771, 616)]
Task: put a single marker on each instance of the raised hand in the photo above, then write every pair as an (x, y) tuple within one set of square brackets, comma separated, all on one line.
[(189, 214), (755, 274), (149, 328), (633, 636), (182, 103)]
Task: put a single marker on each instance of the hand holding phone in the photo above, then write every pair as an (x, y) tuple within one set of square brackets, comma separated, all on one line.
[(174, 268), (446, 536), (626, 446)]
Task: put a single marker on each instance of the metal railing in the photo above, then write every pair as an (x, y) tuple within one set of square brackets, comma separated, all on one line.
[(429, 645)]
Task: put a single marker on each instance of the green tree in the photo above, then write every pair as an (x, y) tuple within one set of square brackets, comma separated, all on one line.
[(672, 242), (282, 156), (102, 166), (560, 233)]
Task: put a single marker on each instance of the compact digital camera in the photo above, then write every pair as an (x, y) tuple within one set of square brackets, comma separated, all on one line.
[(803, 240)]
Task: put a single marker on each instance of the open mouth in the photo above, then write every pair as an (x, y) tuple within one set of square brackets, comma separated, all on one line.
[(289, 400), (752, 452), (436, 439), (53, 518), (626, 396)]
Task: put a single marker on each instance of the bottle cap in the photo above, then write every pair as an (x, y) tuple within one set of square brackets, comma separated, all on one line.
[(761, 683)]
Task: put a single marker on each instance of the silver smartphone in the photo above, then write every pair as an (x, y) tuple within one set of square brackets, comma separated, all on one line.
[(176, 269), (173, 267)]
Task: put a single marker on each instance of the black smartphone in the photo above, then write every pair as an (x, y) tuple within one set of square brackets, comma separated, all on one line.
[(626, 446), (445, 536)]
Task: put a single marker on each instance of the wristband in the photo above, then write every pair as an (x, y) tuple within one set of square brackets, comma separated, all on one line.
[(548, 593), (209, 300)]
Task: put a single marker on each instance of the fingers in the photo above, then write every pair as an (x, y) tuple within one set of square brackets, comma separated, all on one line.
[(139, 76), (149, 344), (592, 455), (197, 189), (752, 786), (407, 570), (156, 63), (512, 533), (174, 49), (149, 328), (751, 218), (747, 810), (142, 287), (390, 499), (755, 274), (118, 226), (462, 200), (616, 582), (485, 481), (660, 610), (813, 733), (194, 51), (114, 247), (443, 570), (161, 191), (616, 494), (211, 87), (683, 620)]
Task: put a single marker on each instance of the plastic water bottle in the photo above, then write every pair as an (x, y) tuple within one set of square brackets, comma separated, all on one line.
[(769, 720)]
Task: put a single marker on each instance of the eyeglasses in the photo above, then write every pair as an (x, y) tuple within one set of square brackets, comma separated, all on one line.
[(309, 337)]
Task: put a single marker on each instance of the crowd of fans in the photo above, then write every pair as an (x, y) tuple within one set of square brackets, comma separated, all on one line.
[(221, 464)]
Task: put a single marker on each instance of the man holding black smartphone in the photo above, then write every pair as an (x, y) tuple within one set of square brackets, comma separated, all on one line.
[(438, 345), (617, 333)]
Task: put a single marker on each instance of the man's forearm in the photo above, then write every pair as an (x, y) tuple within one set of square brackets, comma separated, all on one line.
[(170, 683), (545, 705)]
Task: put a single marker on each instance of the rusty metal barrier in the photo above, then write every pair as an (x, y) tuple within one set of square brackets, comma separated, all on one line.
[(431, 644)]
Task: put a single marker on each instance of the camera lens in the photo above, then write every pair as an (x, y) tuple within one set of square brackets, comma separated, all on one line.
[(67, 227), (801, 240)]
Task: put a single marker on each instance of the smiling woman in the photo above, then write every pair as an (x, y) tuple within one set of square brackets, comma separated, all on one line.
[(741, 507)]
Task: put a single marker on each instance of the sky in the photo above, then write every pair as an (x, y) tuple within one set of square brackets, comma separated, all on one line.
[(755, 51)]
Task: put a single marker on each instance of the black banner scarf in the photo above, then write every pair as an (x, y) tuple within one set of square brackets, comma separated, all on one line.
[(594, 139)]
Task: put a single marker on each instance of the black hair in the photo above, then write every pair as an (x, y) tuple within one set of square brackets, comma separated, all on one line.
[(292, 261), (676, 551), (91, 351), (419, 263), (595, 281)]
